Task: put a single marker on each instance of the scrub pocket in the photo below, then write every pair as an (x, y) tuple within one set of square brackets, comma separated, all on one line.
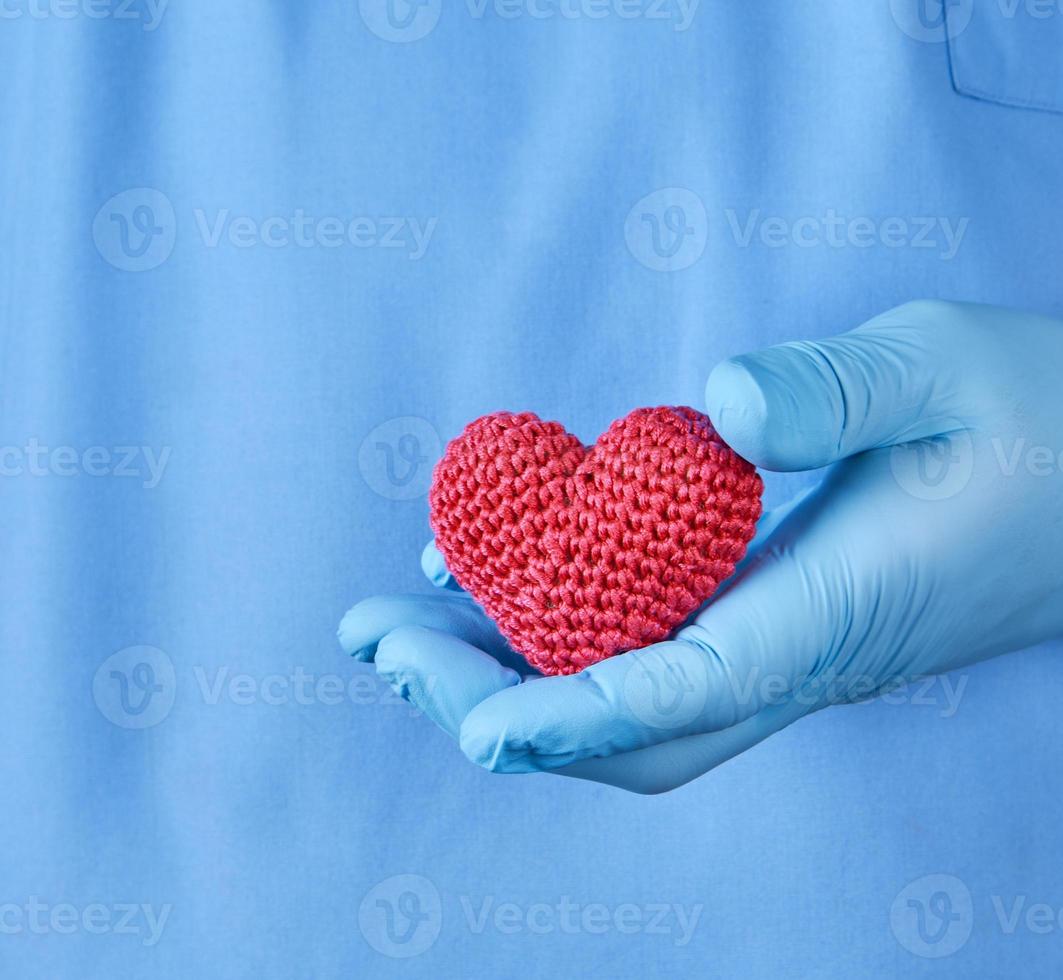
[(1007, 51)]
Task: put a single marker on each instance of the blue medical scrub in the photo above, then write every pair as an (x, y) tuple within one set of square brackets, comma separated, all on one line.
[(260, 260)]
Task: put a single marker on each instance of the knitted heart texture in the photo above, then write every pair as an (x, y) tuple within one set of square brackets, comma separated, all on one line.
[(580, 553)]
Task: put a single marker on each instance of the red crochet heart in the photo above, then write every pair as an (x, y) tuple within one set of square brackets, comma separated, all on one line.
[(581, 553)]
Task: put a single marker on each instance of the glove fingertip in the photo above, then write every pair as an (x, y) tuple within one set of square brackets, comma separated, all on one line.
[(352, 634), (738, 407), (435, 568), (777, 408)]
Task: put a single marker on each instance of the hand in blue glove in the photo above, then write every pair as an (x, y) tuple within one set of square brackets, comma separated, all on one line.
[(933, 542)]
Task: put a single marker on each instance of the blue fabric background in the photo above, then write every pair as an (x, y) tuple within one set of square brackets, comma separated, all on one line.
[(264, 373)]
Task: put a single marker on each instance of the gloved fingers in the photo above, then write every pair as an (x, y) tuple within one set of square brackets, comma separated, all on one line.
[(446, 678), (439, 673), (748, 649), (900, 377), (644, 698), (435, 569), (664, 767), (371, 619)]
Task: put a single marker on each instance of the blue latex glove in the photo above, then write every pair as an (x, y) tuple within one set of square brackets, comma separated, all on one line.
[(934, 541)]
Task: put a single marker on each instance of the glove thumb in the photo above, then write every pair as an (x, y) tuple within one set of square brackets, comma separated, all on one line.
[(799, 406)]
